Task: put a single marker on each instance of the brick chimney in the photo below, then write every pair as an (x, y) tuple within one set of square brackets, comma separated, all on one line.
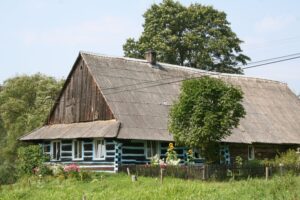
[(151, 57)]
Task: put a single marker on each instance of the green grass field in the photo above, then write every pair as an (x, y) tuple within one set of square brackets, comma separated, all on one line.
[(119, 186)]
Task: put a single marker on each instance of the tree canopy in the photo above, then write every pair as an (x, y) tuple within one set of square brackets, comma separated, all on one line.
[(197, 36), (25, 102), (206, 112)]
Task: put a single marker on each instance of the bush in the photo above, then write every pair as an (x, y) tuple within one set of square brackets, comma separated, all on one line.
[(290, 157), (254, 163), (31, 161), (85, 175), (7, 173), (45, 170), (72, 171)]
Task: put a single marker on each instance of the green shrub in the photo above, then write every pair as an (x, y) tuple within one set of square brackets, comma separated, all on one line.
[(289, 157), (45, 170), (7, 173), (31, 161), (254, 163), (85, 175), (238, 161)]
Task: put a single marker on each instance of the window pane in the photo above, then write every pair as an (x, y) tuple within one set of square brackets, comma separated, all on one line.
[(99, 149), (96, 149), (250, 152), (58, 151), (102, 155), (54, 151), (149, 149), (75, 149), (154, 148), (79, 149)]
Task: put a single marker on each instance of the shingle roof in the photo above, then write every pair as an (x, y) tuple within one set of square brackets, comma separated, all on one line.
[(96, 129), (140, 96)]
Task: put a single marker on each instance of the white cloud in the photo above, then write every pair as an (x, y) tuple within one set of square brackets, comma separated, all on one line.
[(274, 23)]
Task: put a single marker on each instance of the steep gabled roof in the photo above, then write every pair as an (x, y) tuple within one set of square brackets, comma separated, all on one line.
[(140, 96)]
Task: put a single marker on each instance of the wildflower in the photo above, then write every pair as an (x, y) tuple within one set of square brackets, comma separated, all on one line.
[(72, 168), (171, 146), (36, 170)]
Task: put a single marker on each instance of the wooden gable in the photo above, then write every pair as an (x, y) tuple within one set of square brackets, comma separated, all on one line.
[(80, 100)]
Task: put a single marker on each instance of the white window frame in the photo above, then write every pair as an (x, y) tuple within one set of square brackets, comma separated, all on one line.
[(51, 150), (157, 148), (73, 150), (252, 153), (94, 149)]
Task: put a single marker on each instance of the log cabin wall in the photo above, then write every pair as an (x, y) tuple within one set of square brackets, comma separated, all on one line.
[(135, 151), (261, 151), (87, 161), (81, 99)]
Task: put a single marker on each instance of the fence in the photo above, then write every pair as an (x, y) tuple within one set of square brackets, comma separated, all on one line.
[(210, 172)]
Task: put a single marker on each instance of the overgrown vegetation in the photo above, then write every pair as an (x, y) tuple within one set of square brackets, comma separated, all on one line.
[(119, 186), (25, 102), (207, 111), (290, 157), (31, 161)]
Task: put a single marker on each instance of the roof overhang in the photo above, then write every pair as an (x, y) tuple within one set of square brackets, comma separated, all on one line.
[(95, 129)]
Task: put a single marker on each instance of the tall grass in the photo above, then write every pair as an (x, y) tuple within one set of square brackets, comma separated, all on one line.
[(119, 186)]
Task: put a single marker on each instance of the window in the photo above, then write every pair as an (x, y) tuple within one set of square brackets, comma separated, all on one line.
[(151, 149), (55, 150), (197, 154), (251, 154), (77, 150), (99, 149)]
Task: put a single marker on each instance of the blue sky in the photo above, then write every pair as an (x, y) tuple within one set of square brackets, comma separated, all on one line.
[(46, 36)]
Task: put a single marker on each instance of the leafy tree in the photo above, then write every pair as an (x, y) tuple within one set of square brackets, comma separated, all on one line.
[(196, 36), (206, 112), (25, 102)]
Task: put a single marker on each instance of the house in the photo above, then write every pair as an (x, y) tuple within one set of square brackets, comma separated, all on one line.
[(114, 111)]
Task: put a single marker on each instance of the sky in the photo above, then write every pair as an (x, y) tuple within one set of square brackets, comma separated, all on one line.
[(46, 36)]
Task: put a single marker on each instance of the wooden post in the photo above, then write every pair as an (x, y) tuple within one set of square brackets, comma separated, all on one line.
[(133, 178), (267, 173), (204, 172), (161, 175), (128, 171), (281, 169)]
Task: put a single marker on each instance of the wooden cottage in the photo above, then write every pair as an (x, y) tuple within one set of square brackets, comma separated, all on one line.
[(114, 111)]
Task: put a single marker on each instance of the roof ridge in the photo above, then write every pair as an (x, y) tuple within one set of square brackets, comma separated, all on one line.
[(188, 69)]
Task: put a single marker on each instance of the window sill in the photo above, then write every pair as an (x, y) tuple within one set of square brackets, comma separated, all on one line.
[(54, 160), (99, 158), (77, 159)]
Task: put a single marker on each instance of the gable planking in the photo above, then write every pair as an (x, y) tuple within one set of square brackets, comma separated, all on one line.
[(80, 99)]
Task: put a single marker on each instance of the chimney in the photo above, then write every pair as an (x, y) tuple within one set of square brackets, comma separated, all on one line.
[(151, 57)]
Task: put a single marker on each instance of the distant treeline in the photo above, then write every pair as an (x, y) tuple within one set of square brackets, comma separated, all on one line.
[(25, 102)]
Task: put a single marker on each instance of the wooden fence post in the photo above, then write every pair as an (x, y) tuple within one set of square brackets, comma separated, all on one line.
[(128, 171), (267, 173), (133, 178), (161, 175), (204, 172), (281, 169)]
